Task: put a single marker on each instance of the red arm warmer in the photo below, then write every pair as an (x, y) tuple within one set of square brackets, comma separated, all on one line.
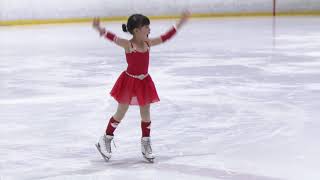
[(110, 36), (168, 34)]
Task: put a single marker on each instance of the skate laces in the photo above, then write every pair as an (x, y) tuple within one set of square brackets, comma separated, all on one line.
[(114, 144), (107, 142), (147, 146)]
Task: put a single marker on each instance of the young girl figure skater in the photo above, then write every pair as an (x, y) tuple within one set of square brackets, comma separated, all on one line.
[(134, 86)]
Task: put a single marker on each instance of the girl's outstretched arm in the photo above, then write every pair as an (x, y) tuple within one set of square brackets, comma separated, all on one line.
[(109, 35), (169, 34)]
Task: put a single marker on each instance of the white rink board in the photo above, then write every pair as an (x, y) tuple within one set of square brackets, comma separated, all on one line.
[(44, 9)]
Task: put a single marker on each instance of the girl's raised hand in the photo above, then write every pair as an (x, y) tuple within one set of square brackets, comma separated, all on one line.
[(184, 18), (185, 15), (96, 23), (96, 26)]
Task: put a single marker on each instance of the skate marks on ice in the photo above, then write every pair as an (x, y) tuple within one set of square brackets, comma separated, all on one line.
[(211, 172), (98, 166), (137, 164), (219, 173), (95, 166), (163, 168)]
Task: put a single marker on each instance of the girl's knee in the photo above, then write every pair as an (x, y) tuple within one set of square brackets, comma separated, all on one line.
[(145, 113), (145, 116), (121, 111)]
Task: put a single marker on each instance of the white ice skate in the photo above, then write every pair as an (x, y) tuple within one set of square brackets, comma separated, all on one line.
[(146, 149), (104, 146)]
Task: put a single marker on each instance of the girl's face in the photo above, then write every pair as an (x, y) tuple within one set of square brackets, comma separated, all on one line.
[(143, 32)]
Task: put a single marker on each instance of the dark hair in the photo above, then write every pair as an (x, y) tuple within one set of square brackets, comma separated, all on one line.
[(135, 21)]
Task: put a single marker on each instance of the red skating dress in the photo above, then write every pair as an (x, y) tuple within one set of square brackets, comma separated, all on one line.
[(135, 86)]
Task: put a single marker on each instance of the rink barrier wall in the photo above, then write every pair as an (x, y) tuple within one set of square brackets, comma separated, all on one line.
[(124, 18)]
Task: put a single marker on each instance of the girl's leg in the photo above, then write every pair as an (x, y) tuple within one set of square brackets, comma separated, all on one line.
[(121, 112), (145, 120), (116, 118), (146, 127)]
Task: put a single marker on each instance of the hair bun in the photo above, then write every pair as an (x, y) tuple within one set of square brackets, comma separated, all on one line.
[(124, 28)]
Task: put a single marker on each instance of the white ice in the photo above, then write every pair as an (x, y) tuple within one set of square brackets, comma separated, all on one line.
[(240, 100)]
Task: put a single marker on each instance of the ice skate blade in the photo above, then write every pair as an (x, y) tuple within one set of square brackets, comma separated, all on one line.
[(150, 160), (103, 156)]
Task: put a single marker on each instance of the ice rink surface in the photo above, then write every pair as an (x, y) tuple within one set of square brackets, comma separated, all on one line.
[(240, 100)]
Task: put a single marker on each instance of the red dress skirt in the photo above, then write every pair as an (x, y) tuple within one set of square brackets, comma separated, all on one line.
[(131, 90)]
